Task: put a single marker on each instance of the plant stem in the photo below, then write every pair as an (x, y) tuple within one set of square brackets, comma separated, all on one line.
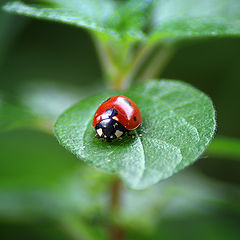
[(120, 72), (115, 195), (120, 82), (116, 233), (105, 58), (124, 78), (138, 61), (157, 64)]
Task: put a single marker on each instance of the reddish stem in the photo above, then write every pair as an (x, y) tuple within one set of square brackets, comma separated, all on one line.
[(116, 233)]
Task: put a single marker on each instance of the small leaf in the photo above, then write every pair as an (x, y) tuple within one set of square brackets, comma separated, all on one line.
[(178, 123), (186, 18)]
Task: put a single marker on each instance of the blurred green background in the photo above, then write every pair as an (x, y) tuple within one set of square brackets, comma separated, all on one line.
[(46, 193)]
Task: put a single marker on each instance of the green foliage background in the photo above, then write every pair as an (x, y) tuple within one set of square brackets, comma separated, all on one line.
[(46, 194)]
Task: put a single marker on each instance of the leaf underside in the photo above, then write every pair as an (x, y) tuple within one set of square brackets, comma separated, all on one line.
[(178, 124), (140, 19)]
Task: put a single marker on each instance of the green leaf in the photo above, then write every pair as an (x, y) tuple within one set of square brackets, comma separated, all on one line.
[(178, 123), (12, 116), (186, 18), (140, 19), (59, 13), (113, 18)]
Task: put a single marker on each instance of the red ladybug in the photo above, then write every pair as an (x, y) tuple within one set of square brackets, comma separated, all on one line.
[(115, 117)]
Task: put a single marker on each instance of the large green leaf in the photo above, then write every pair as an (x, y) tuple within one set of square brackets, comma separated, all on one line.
[(178, 123), (140, 19)]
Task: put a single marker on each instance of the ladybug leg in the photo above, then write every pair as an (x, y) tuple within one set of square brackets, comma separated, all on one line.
[(106, 140), (130, 133), (125, 132)]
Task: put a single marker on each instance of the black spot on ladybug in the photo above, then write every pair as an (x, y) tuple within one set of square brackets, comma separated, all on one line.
[(126, 101), (111, 112), (135, 119), (107, 100)]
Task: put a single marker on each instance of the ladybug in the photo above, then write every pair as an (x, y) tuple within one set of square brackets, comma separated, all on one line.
[(115, 117)]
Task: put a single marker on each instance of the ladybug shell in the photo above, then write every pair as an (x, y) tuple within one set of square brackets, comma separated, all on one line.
[(128, 112)]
